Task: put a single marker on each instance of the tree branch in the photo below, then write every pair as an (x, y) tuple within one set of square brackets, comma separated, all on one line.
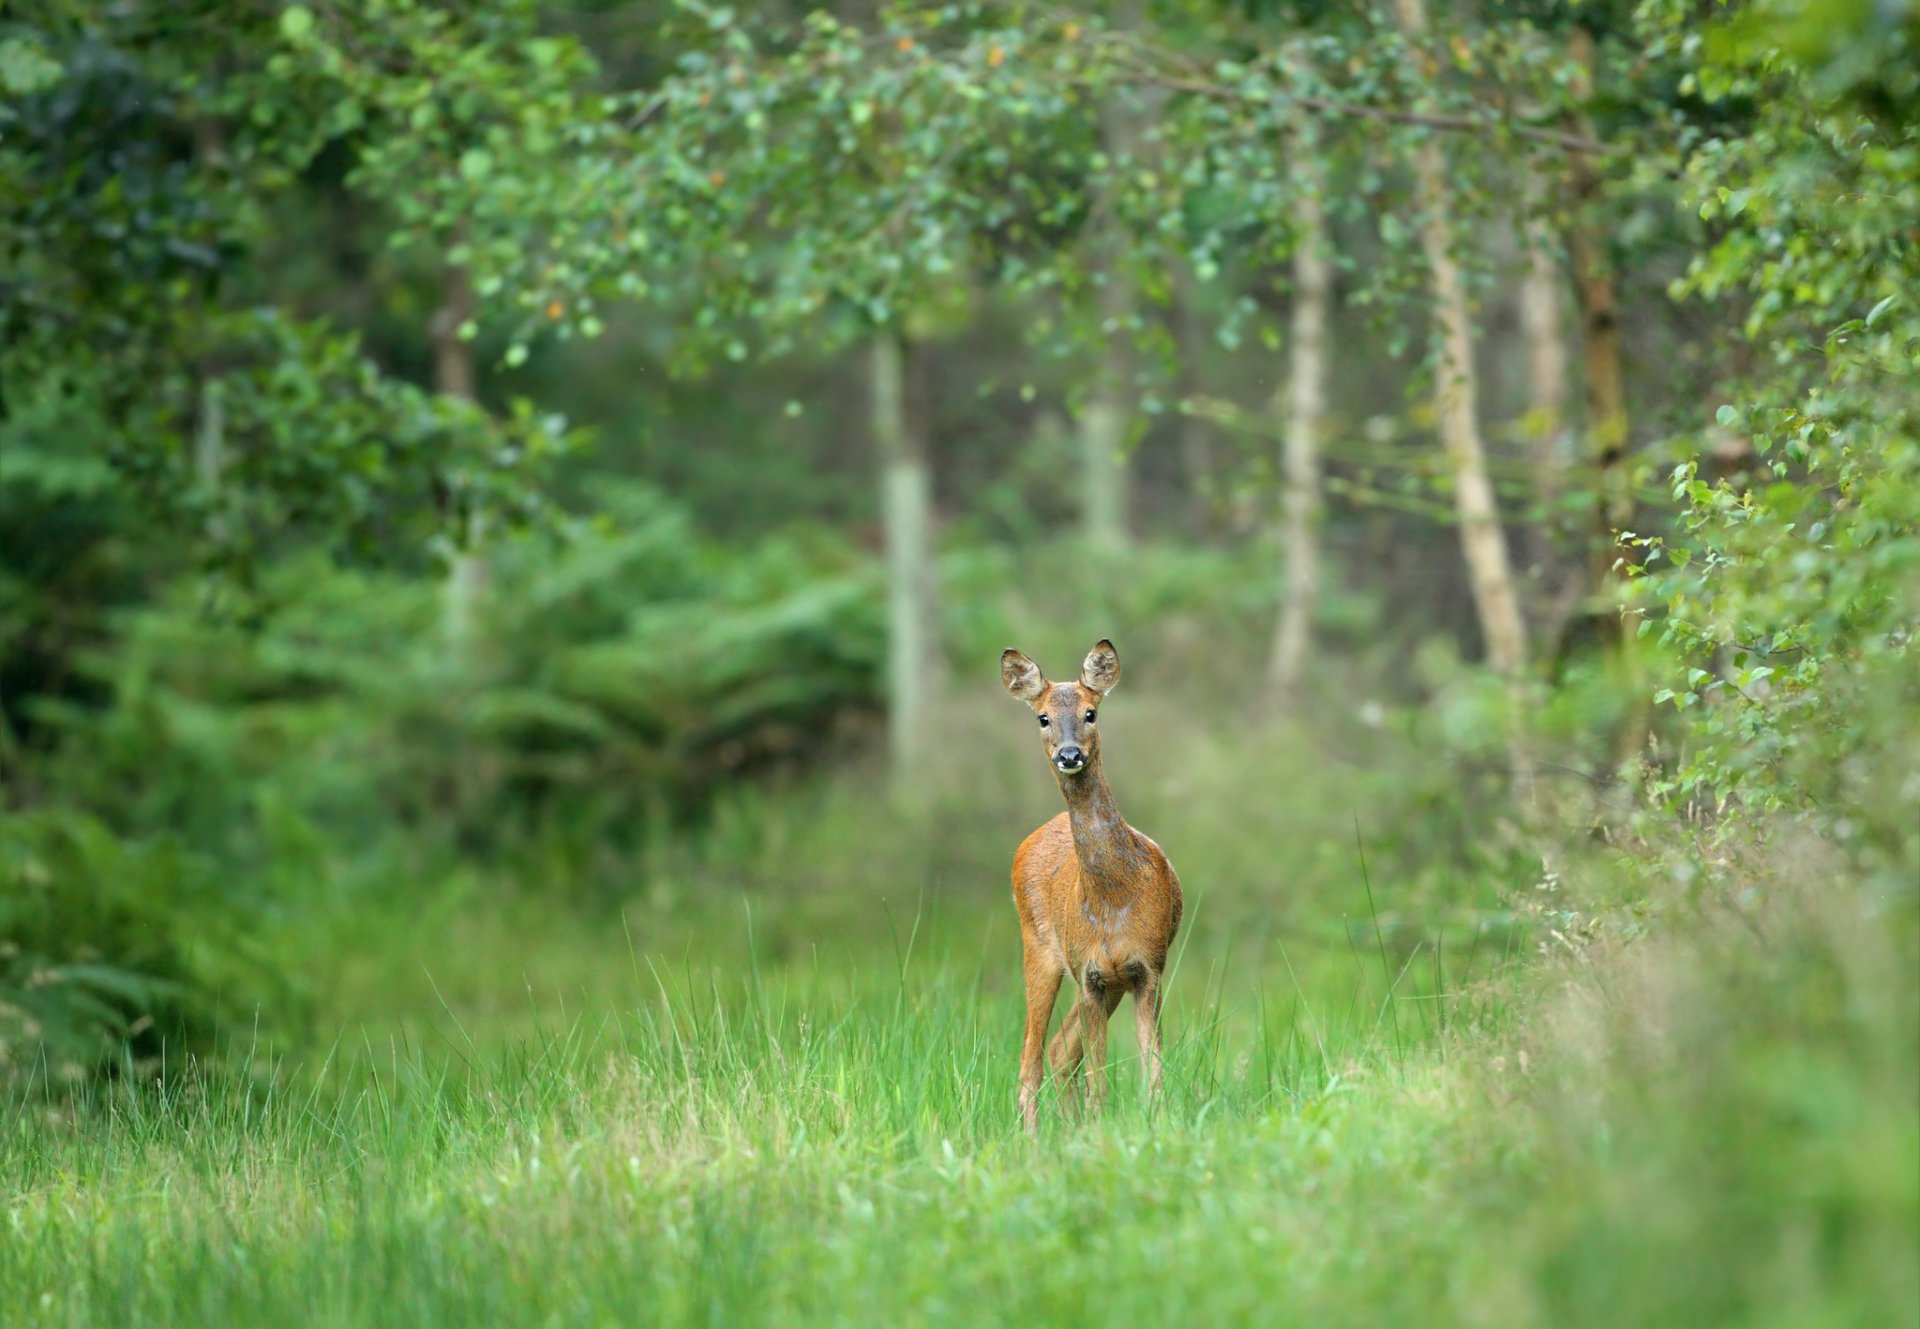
[(1328, 106)]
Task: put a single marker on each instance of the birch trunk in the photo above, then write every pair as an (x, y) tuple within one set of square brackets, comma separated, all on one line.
[(1103, 465), (1306, 410), (1482, 540), (1196, 432), (906, 509), (1103, 421), (210, 417), (454, 376), (1543, 327), (1606, 393)]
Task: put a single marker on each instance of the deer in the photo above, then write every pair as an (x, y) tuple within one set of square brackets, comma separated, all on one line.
[(1098, 901)]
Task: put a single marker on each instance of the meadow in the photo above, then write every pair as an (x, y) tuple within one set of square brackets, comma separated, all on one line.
[(721, 1098)]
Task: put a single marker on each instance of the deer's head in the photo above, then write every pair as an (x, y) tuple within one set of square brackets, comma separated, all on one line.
[(1068, 712)]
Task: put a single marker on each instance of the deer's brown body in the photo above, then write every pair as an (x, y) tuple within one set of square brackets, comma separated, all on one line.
[(1099, 903)]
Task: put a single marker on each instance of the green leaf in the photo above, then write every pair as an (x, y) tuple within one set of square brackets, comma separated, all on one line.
[(296, 21), (24, 68)]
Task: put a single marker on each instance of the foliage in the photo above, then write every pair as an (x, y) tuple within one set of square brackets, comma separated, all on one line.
[(110, 952), (1792, 582), (623, 669), (139, 164)]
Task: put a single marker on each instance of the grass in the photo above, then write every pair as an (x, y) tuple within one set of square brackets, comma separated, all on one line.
[(773, 1155), (765, 1076), (1718, 1127)]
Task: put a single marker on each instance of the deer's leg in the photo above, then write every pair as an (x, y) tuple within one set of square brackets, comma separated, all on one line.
[(1042, 974), (1146, 1024), (1097, 1002), (1063, 1054)]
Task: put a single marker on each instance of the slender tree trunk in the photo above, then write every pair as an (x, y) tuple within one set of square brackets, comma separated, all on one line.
[(1104, 419), (210, 416), (1605, 378), (1481, 538), (454, 376), (1306, 409), (1196, 432), (913, 659), (1103, 464), (1543, 327), (1607, 420)]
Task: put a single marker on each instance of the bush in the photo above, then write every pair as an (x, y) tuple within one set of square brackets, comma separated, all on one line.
[(113, 951)]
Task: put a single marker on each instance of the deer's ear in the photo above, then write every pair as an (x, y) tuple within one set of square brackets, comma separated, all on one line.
[(1021, 676), (1102, 667)]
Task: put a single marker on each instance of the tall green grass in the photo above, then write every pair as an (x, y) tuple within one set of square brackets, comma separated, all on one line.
[(785, 1150), (1717, 1126)]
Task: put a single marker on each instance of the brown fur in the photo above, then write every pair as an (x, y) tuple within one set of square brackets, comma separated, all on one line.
[(1098, 901)]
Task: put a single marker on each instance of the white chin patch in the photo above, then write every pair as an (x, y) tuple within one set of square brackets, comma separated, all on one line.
[(1070, 770)]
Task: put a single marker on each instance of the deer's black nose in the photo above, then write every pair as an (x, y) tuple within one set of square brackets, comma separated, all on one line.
[(1069, 759)]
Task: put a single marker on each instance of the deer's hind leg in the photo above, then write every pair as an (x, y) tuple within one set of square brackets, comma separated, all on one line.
[(1064, 1053), (1042, 972), (1095, 1008)]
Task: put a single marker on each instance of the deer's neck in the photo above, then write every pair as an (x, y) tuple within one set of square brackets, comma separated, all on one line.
[(1102, 841)]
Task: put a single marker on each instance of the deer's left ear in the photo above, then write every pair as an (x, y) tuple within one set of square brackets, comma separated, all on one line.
[(1101, 669)]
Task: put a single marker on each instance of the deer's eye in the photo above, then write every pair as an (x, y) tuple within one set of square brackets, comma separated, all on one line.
[(1090, 716), (1043, 722)]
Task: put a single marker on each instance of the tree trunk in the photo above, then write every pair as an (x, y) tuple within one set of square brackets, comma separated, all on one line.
[(1557, 591), (1306, 409), (913, 659), (1104, 420), (1607, 421), (454, 376), (1103, 464), (1482, 540), (1543, 328), (1605, 379), (210, 416), (1196, 431)]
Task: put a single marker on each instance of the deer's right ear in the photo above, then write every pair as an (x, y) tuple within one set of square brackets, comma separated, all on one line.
[(1021, 676)]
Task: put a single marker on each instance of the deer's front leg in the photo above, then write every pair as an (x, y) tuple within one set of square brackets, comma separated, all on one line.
[(1146, 1024), (1042, 974)]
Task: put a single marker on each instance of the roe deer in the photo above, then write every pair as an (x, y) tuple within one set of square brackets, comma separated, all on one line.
[(1098, 901)]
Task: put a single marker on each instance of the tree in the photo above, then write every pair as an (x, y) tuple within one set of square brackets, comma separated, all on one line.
[(906, 487), (138, 188), (1543, 330), (1791, 683), (1455, 394), (1305, 412), (1604, 375), (454, 377), (1106, 417)]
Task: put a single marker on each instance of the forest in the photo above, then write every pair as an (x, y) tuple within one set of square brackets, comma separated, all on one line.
[(511, 512)]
